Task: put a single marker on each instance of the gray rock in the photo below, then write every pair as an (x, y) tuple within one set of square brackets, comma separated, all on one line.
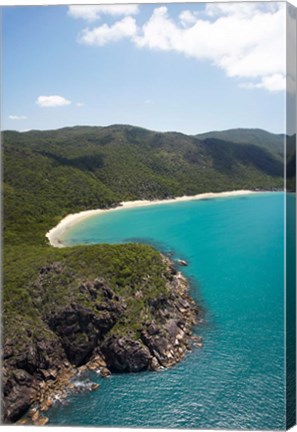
[(125, 354)]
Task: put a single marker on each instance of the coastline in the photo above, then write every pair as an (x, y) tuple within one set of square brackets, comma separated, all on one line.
[(161, 345), (54, 235)]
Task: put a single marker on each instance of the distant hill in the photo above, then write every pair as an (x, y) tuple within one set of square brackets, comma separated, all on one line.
[(259, 137)]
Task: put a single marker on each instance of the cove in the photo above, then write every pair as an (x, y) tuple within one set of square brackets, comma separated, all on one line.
[(235, 250)]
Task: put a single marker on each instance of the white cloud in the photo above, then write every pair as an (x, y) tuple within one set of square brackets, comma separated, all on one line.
[(159, 32), (52, 101), (273, 83), (126, 28), (245, 40), (187, 18), (79, 104), (17, 117), (93, 13)]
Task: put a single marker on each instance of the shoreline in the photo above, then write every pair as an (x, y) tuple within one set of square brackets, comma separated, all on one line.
[(54, 235)]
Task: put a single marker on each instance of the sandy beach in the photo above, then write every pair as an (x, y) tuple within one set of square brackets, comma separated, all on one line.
[(55, 235)]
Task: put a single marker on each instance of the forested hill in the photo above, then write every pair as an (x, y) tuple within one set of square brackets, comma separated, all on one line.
[(50, 173), (266, 140)]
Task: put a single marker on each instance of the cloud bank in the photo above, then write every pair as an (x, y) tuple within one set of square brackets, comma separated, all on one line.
[(246, 41)]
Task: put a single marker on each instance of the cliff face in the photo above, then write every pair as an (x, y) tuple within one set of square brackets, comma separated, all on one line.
[(163, 340), (94, 327), (25, 368)]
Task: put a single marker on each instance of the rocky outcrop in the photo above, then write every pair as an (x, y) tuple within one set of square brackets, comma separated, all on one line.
[(81, 329), (165, 339), (124, 354), (82, 336), (168, 335)]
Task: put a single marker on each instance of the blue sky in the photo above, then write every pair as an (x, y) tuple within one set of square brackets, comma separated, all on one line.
[(185, 67)]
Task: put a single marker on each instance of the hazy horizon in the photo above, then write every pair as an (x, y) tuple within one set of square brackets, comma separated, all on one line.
[(141, 127)]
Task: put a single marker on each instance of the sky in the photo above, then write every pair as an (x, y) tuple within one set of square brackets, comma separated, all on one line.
[(182, 67)]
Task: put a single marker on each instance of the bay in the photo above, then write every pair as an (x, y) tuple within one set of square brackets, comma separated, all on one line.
[(235, 250)]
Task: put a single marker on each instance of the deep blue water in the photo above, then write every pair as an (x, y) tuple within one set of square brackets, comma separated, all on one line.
[(235, 250)]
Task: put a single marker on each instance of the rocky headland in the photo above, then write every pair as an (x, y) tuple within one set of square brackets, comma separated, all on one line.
[(88, 333)]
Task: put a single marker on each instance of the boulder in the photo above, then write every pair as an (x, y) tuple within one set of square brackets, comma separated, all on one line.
[(50, 374), (31, 412), (46, 405), (94, 386), (41, 421), (154, 364), (104, 372), (35, 416)]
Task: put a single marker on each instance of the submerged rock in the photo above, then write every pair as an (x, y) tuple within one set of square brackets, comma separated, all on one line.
[(182, 262)]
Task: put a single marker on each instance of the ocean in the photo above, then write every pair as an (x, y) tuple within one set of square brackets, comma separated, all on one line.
[(235, 250)]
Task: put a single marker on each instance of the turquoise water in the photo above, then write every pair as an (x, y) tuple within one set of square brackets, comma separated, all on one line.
[(234, 247)]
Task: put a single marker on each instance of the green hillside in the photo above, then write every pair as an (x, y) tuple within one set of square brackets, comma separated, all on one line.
[(266, 140)]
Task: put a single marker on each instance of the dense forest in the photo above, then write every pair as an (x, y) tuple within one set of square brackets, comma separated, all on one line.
[(48, 174)]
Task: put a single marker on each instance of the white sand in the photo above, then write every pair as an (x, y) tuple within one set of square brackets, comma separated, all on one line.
[(55, 235)]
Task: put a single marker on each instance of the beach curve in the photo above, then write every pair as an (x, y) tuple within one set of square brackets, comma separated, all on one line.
[(55, 234)]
